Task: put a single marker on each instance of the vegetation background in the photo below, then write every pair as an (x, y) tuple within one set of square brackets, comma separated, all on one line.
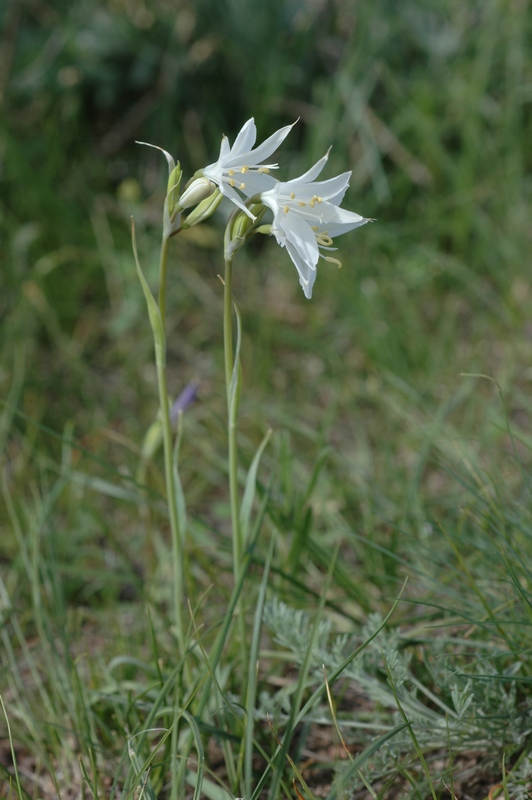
[(386, 452)]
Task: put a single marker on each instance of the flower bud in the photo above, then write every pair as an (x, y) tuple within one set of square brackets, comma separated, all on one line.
[(174, 180), (241, 225), (198, 190), (203, 210)]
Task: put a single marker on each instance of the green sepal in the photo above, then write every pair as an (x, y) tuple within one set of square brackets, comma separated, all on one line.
[(264, 229)]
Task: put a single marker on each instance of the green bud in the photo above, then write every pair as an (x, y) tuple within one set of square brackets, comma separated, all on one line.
[(204, 210), (258, 210), (241, 225), (174, 181)]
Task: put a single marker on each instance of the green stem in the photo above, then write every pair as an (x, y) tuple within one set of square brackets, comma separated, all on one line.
[(177, 534), (163, 269), (232, 413)]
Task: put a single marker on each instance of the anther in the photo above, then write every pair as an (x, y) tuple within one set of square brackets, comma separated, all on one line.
[(230, 172), (286, 209), (301, 204), (242, 186), (292, 195), (243, 170), (263, 169), (231, 182), (332, 260)]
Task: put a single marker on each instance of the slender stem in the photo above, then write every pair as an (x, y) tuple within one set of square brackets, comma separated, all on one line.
[(231, 382), (163, 269), (177, 534), (232, 413)]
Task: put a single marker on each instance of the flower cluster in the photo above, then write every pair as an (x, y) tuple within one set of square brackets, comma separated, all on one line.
[(306, 212)]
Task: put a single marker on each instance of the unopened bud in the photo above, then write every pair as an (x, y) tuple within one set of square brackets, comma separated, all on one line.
[(199, 190), (172, 192), (203, 210), (241, 225)]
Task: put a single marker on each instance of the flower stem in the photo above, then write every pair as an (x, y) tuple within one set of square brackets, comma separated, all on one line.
[(231, 380), (177, 534)]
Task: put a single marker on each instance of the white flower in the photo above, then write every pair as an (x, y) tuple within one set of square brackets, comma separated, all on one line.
[(307, 217), (240, 167)]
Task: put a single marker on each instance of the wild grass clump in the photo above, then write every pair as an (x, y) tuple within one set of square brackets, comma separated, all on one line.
[(372, 637)]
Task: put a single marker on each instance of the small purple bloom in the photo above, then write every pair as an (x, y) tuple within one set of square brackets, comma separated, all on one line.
[(185, 399)]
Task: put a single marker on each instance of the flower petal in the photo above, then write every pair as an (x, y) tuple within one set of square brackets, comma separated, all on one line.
[(225, 149), (256, 182), (312, 173), (235, 198), (341, 221), (269, 146), (301, 236), (324, 189), (307, 274), (245, 139)]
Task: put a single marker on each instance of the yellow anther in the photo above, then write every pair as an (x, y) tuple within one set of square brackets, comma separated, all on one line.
[(292, 195), (230, 172), (243, 170), (263, 169), (231, 182), (332, 260), (242, 186), (314, 227), (312, 203), (301, 204), (286, 209), (324, 240)]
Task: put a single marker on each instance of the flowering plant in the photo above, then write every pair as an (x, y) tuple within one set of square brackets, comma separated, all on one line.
[(306, 218)]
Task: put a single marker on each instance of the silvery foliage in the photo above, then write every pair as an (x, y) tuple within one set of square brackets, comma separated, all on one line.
[(470, 705)]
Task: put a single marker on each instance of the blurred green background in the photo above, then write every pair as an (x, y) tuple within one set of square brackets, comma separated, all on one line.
[(381, 439), (428, 102)]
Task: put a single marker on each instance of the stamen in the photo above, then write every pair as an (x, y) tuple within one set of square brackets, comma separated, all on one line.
[(312, 203), (314, 227), (242, 186), (286, 209), (231, 182), (263, 169), (292, 195), (324, 240), (332, 260), (243, 170), (230, 172)]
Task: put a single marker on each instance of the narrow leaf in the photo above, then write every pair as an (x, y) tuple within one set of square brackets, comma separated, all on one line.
[(249, 490), (153, 309)]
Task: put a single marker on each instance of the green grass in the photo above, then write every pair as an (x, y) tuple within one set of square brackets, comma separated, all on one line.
[(388, 460)]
